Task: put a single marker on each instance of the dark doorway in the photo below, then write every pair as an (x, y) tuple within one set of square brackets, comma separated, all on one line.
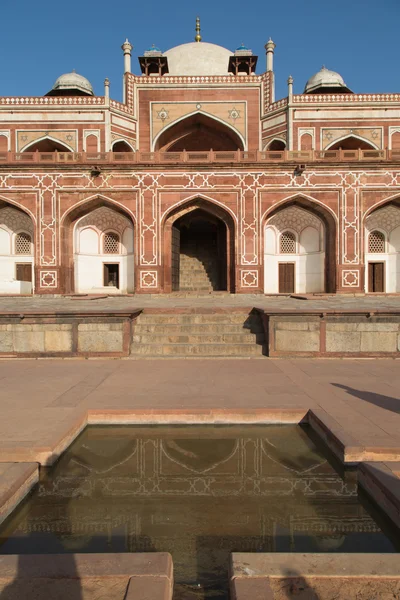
[(286, 278), (199, 253), (24, 272), (376, 277), (111, 275)]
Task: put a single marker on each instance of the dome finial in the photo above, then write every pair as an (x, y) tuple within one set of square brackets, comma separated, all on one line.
[(198, 29)]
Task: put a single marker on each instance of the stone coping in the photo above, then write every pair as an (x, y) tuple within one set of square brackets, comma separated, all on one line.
[(281, 576), (16, 481), (342, 444), (19, 469), (126, 576), (382, 483)]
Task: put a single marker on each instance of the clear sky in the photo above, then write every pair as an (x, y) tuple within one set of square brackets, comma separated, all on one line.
[(42, 39)]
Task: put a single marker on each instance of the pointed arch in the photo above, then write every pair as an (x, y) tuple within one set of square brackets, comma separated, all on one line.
[(277, 144), (218, 213), (183, 134), (44, 143), (330, 222), (352, 142), (394, 199), (122, 145), (67, 227)]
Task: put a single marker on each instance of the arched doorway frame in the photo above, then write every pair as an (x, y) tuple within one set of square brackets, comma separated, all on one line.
[(214, 208), (390, 200), (330, 221), (232, 130), (6, 202), (67, 225)]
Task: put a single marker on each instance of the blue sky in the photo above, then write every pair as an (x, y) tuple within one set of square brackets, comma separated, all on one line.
[(43, 39)]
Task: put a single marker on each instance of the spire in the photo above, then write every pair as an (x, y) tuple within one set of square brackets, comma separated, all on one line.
[(198, 34)]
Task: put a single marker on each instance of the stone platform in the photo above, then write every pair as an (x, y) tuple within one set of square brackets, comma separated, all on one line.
[(135, 326)]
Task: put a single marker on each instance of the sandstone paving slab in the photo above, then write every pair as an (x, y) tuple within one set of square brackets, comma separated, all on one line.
[(81, 576), (16, 480), (323, 576), (37, 419)]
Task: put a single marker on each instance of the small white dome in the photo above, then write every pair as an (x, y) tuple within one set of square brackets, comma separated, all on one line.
[(198, 58), (325, 79), (73, 83)]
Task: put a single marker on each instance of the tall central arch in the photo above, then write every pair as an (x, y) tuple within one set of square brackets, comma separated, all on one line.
[(199, 132), (199, 248)]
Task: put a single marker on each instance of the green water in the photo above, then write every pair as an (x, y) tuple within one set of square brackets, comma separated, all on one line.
[(198, 492)]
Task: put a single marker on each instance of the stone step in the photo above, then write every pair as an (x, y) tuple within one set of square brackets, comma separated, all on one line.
[(203, 350), (197, 338), (190, 318), (196, 288), (196, 328)]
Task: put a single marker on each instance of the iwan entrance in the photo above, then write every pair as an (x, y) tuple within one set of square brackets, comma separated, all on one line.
[(199, 253)]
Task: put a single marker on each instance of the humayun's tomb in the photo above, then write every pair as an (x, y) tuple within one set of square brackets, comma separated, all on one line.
[(200, 180)]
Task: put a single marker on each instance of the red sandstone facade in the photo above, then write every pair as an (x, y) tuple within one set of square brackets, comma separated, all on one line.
[(218, 144)]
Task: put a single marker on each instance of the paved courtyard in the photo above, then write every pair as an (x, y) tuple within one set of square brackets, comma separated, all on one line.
[(110, 303), (39, 399)]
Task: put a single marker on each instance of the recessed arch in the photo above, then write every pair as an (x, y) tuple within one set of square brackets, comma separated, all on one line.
[(68, 228), (352, 142), (329, 221), (277, 144), (17, 249), (199, 131), (47, 144), (199, 209), (394, 199), (122, 146)]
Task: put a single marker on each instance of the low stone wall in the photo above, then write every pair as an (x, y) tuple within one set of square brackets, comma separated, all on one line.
[(65, 335), (281, 576), (333, 335)]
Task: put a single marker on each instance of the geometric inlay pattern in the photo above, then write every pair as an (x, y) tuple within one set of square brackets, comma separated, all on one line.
[(15, 219), (148, 279), (350, 278), (48, 279), (104, 218), (387, 218), (294, 218), (249, 279)]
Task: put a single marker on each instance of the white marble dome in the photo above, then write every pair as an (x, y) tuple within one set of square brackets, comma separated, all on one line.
[(198, 58), (72, 82), (325, 79)]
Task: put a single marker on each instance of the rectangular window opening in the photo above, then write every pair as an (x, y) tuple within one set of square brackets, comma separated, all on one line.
[(111, 275), (23, 272)]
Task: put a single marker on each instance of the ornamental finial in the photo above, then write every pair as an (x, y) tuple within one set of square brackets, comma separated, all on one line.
[(198, 34)]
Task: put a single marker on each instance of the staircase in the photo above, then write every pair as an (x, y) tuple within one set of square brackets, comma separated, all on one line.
[(197, 271), (198, 334)]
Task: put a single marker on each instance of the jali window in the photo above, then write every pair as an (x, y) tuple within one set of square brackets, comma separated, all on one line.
[(287, 243), (23, 243), (376, 242), (111, 243)]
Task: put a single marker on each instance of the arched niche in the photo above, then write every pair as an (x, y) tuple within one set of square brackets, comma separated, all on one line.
[(276, 145), (311, 267), (46, 144), (199, 133), (121, 146), (16, 251), (351, 142), (382, 249), (199, 235), (90, 265)]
